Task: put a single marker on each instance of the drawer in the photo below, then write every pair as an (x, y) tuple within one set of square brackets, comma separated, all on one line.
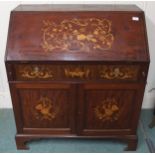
[(30, 72)]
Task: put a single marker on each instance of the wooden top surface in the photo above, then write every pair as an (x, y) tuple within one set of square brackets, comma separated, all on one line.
[(76, 7), (77, 36)]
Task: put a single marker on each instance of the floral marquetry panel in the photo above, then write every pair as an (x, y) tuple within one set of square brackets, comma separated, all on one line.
[(75, 35), (46, 107), (107, 109)]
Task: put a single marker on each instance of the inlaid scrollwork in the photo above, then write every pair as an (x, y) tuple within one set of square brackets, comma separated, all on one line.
[(31, 72), (84, 35), (44, 109), (76, 73), (107, 110), (119, 72)]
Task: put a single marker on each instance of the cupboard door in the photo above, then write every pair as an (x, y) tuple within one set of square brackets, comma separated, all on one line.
[(45, 108), (108, 109)]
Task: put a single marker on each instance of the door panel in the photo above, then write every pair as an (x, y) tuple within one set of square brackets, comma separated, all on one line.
[(47, 106), (106, 109)]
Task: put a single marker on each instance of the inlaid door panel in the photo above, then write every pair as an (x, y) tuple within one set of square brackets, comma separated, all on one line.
[(47, 107), (106, 108)]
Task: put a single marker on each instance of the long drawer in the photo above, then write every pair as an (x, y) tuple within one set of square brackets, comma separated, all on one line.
[(43, 72)]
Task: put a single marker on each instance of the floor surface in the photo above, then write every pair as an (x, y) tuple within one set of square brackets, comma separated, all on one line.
[(146, 137)]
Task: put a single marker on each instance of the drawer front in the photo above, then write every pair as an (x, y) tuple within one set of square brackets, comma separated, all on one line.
[(78, 72)]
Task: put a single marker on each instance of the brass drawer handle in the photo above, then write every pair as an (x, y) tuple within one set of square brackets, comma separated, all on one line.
[(77, 73), (32, 72)]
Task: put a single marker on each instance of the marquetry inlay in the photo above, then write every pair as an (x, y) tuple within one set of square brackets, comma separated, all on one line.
[(107, 110), (44, 109), (84, 35), (32, 72), (118, 72), (76, 73)]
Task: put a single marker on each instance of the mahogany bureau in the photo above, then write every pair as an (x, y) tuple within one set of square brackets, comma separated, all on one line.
[(77, 71)]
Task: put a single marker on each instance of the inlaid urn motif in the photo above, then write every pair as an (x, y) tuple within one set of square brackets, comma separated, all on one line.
[(107, 110), (45, 110)]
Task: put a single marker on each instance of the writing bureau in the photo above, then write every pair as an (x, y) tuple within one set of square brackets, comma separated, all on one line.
[(77, 71)]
